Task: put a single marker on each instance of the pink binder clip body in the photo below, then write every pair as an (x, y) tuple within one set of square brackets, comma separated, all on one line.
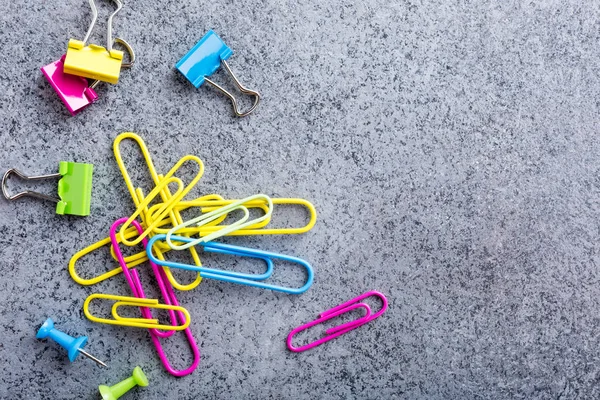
[(340, 329), (169, 297), (73, 90)]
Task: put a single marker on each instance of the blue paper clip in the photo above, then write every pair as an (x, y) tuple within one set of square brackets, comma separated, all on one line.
[(234, 277), (204, 59)]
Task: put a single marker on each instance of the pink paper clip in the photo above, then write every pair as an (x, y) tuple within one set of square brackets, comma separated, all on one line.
[(340, 329), (73, 90), (169, 297)]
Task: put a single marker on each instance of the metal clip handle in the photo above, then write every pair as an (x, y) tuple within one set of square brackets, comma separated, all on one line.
[(124, 64), (109, 41), (93, 23), (27, 192), (240, 87)]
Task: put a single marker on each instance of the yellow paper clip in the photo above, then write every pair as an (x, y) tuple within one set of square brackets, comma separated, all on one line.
[(203, 219), (138, 197), (122, 301), (93, 61), (257, 229), (166, 207)]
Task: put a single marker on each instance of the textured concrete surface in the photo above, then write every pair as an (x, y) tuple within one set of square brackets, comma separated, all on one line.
[(450, 148)]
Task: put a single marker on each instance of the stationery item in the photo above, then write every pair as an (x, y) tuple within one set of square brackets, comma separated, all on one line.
[(219, 212), (93, 61), (168, 294), (167, 207), (138, 197), (147, 323), (73, 90), (74, 346), (74, 187), (340, 329), (233, 277), (204, 59), (210, 205), (138, 378)]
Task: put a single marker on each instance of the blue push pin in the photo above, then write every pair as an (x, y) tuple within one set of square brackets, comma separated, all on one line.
[(74, 346)]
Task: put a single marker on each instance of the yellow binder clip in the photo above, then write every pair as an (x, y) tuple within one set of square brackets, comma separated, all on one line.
[(123, 301), (93, 61)]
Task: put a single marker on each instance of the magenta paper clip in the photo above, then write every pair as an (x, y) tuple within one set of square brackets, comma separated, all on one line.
[(340, 329), (73, 90), (169, 297)]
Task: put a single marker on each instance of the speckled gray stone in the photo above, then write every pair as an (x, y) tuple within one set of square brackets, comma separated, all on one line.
[(450, 148)]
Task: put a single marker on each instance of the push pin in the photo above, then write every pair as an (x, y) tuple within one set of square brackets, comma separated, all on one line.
[(204, 59), (74, 188), (93, 61), (74, 346), (114, 392)]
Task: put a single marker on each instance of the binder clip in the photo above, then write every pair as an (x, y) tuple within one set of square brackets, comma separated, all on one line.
[(74, 188), (204, 59), (93, 61), (73, 90)]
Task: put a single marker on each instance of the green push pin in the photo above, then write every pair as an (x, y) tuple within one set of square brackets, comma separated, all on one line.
[(74, 188), (114, 392)]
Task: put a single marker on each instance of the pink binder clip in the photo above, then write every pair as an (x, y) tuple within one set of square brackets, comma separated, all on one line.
[(340, 329), (168, 294), (73, 90)]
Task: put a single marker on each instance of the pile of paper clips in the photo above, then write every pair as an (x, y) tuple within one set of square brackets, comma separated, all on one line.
[(162, 229)]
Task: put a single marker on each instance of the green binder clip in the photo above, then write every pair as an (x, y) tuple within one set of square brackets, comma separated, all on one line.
[(74, 188)]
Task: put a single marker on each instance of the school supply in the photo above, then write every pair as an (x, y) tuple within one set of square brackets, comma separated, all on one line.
[(75, 91), (74, 346), (204, 59), (74, 187), (93, 61), (159, 213), (234, 277), (340, 329), (137, 378)]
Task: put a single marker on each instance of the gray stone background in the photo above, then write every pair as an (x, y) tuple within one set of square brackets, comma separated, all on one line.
[(450, 149)]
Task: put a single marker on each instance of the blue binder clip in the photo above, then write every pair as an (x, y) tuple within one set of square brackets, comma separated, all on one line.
[(204, 59)]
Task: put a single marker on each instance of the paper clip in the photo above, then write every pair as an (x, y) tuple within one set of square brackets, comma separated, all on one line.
[(204, 59), (233, 277), (168, 294), (74, 90), (106, 275), (138, 197), (132, 276), (131, 262), (146, 323), (340, 329), (207, 206), (188, 334), (167, 207), (219, 212), (74, 187), (93, 61)]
